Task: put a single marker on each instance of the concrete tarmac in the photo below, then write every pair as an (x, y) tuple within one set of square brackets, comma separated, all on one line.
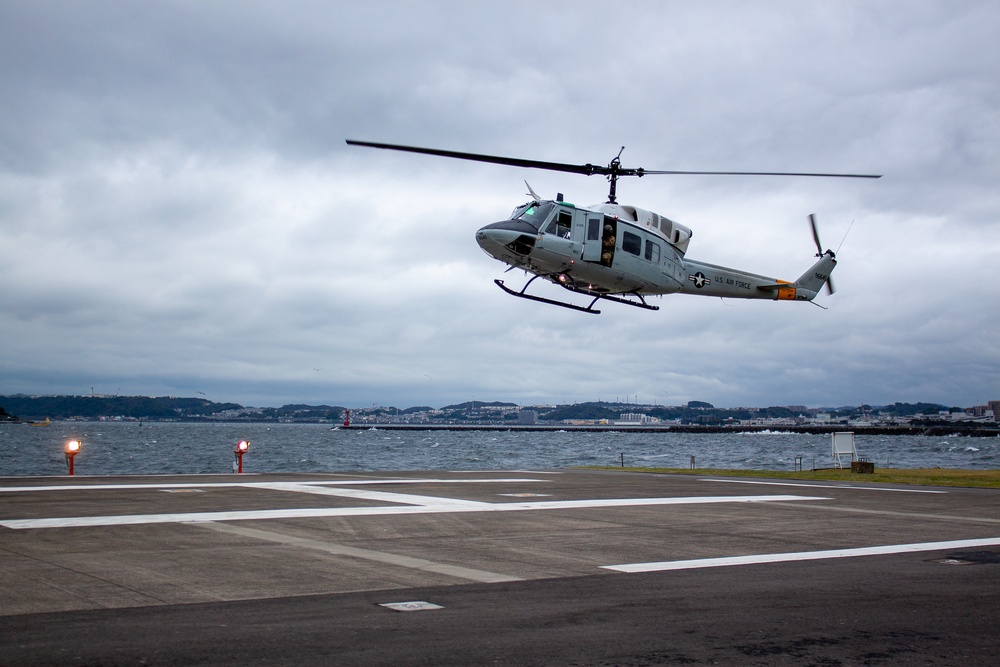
[(542, 567)]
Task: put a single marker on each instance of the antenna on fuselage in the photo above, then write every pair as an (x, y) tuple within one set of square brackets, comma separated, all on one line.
[(531, 193)]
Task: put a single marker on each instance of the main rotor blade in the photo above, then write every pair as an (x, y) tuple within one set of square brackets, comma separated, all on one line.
[(757, 173), (586, 169), (614, 169)]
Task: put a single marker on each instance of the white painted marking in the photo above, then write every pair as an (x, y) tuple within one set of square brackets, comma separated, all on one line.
[(434, 507), (117, 487), (426, 480), (801, 555), (251, 485), (639, 502), (403, 498), (820, 486)]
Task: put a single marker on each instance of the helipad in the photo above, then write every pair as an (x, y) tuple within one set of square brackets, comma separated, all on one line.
[(595, 557)]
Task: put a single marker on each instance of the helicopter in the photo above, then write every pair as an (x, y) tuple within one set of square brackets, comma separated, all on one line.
[(621, 253)]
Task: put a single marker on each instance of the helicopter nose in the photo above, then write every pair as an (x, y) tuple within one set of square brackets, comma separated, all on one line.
[(501, 239)]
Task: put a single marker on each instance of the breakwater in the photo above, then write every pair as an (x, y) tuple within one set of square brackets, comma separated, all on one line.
[(936, 430)]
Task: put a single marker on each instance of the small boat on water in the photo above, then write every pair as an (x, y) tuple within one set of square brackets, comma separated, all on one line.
[(44, 423)]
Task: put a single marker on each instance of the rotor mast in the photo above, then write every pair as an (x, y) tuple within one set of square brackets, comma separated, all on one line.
[(614, 171)]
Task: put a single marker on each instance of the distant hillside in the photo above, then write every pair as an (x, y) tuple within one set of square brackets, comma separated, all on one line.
[(157, 408), (34, 408), (129, 407)]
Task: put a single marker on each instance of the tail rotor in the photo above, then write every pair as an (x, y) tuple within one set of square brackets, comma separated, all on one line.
[(819, 249)]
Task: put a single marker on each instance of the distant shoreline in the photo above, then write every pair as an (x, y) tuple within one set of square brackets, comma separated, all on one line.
[(965, 430), (689, 428)]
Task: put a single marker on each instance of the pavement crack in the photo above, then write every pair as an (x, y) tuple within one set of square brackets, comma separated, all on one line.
[(411, 562)]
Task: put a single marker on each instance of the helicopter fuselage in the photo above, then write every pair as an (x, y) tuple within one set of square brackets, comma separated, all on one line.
[(616, 249), (621, 253)]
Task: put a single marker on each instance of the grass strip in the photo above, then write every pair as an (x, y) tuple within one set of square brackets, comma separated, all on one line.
[(985, 479)]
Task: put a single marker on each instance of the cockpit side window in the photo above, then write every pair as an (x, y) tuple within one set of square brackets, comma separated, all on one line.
[(533, 214)]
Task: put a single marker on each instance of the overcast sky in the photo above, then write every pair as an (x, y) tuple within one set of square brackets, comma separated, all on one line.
[(180, 215)]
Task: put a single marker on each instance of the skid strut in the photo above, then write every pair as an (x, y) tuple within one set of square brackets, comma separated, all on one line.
[(532, 297), (573, 288)]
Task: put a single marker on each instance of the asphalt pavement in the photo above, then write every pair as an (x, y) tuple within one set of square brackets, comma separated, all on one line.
[(538, 567)]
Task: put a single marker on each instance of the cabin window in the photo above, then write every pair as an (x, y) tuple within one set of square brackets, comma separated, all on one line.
[(562, 225), (631, 243), (593, 229), (653, 251)]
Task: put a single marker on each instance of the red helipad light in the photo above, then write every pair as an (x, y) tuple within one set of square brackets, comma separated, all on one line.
[(72, 449)]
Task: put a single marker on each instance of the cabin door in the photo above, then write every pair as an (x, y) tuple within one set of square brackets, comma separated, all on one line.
[(592, 242)]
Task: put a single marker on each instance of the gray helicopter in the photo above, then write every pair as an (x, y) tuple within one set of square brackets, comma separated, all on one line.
[(621, 253)]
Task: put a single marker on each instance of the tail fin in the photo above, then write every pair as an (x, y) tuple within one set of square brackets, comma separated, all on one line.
[(816, 276)]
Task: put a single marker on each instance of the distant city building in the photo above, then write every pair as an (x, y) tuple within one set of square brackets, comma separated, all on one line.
[(635, 418), (527, 417)]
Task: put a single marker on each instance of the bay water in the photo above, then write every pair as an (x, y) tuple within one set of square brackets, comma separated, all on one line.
[(128, 448)]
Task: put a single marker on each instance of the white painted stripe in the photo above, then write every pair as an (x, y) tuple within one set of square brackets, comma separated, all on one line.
[(820, 486), (190, 517), (223, 485), (364, 494), (437, 508), (802, 555), (638, 502), (419, 480), (117, 487)]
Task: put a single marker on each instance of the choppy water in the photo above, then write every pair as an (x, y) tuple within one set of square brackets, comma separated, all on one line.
[(161, 448)]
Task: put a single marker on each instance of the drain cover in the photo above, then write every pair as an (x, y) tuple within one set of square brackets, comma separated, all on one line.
[(969, 558), (416, 605)]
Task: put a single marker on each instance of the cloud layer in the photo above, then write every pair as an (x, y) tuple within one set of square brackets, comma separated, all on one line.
[(179, 212)]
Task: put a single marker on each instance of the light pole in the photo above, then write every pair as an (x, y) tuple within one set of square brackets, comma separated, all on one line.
[(239, 450), (72, 449)]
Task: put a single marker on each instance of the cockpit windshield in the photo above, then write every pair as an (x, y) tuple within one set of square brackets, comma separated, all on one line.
[(533, 214)]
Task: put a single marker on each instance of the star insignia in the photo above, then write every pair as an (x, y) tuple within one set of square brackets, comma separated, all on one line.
[(700, 280)]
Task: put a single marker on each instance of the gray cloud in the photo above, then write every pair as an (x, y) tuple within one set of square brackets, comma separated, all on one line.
[(179, 212)]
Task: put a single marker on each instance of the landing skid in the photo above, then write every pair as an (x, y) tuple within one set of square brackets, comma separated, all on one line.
[(572, 306)]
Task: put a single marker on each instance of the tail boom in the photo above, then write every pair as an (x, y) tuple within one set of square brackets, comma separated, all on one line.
[(711, 280)]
